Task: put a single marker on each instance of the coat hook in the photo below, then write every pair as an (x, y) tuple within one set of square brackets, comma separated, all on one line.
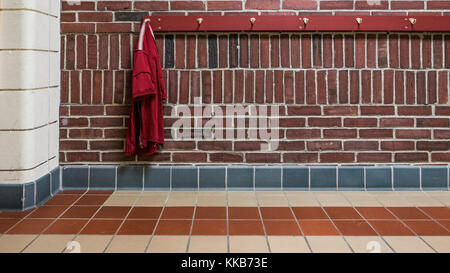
[(252, 20), (358, 20), (305, 20), (147, 20), (412, 21), (199, 20)]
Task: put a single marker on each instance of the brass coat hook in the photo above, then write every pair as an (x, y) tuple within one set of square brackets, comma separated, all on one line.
[(305, 20), (200, 20), (412, 21), (252, 20), (359, 20)]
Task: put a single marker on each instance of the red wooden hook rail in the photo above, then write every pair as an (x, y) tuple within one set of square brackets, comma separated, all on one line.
[(299, 23)]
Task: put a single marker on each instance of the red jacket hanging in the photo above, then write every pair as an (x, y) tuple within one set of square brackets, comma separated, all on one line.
[(146, 127)]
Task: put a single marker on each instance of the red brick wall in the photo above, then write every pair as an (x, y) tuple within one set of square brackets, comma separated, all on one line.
[(344, 97)]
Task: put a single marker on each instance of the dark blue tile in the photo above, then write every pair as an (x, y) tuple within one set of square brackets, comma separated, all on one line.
[(75, 177), (157, 178), (212, 178), (130, 178), (55, 180), (102, 178), (378, 178), (240, 178), (11, 196), (43, 189), (268, 177), (350, 178), (295, 178), (184, 178), (406, 178), (29, 196), (434, 177), (323, 178)]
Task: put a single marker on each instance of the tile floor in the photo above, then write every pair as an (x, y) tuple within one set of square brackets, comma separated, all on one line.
[(232, 221)]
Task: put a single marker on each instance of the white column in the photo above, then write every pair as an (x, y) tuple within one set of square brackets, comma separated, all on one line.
[(29, 89)]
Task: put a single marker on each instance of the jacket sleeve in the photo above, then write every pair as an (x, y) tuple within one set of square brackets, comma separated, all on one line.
[(143, 75)]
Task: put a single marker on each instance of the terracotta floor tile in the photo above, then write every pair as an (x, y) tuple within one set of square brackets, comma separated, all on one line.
[(354, 228), (283, 227), (145, 213), (107, 227), (430, 228), (390, 228), (178, 213), (112, 212), (85, 212), (309, 213), (317, 227), (375, 213), (173, 227), (245, 227), (99, 192), (209, 227), (346, 213), (63, 199), (137, 227), (210, 213), (92, 200), (437, 212), (408, 213), (445, 223), (268, 213), (15, 214), (243, 213), (65, 226), (48, 212), (6, 224), (30, 226)]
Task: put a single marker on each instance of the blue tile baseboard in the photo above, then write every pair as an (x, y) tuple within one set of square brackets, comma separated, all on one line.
[(232, 177), (18, 197), (246, 177)]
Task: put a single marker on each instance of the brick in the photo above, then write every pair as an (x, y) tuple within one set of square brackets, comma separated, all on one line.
[(187, 5), (338, 51), (366, 86), (233, 50), (437, 51), (399, 87), (333, 5), (375, 133), (337, 157), (410, 87), (407, 5), (317, 50), (262, 4), (396, 122), (189, 157), (438, 5), (397, 145), (375, 5), (432, 122), (374, 157), (81, 51), (442, 110), (306, 51), (360, 51), (83, 156), (262, 157), (300, 5), (68, 16), (68, 145), (433, 145), (321, 87), (113, 5), (107, 145), (86, 87), (440, 157), (224, 5), (442, 134), (411, 157), (274, 51), (361, 145), (135, 16), (376, 87), (310, 87), (151, 5), (340, 133), (295, 51), (73, 122), (225, 157), (360, 122), (412, 134), (393, 51), (304, 110), (92, 52), (114, 27), (83, 5), (300, 157), (443, 93), (414, 110), (323, 145), (354, 87), (388, 86), (95, 17), (302, 133), (377, 110), (291, 146)]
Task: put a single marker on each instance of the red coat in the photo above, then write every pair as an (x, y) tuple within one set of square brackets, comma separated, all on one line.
[(146, 128)]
